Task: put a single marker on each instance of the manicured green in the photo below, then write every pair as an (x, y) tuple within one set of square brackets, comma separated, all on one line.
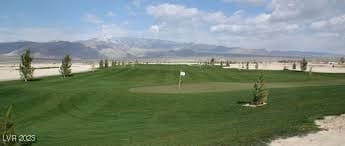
[(97, 108)]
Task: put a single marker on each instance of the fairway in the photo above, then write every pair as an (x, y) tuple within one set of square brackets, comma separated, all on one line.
[(142, 105)]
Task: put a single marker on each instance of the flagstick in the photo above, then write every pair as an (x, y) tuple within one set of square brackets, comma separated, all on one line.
[(179, 83)]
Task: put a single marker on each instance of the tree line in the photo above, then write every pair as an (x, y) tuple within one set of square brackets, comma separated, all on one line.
[(26, 70)]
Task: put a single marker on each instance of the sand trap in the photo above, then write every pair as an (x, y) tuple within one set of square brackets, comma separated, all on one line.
[(333, 135)]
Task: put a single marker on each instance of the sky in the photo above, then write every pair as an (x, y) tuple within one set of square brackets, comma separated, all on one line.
[(304, 25)]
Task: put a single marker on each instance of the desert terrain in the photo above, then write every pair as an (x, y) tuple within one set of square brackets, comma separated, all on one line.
[(9, 71)]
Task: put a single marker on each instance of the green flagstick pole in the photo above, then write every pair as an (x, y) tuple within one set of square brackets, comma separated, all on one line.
[(179, 82)]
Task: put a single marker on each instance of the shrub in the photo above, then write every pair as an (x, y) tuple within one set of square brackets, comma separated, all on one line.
[(25, 68), (212, 61), (106, 63), (294, 66), (7, 127), (342, 60), (227, 63), (101, 64), (304, 64), (113, 63), (65, 68), (260, 91)]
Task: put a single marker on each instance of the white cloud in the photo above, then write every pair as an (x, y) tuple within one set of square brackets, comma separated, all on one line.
[(154, 28), (110, 14), (334, 24), (91, 18), (252, 2), (112, 30), (42, 34), (305, 10), (284, 22), (172, 11)]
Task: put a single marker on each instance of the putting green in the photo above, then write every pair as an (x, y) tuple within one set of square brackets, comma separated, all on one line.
[(226, 86)]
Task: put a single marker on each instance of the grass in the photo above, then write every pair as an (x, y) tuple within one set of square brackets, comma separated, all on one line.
[(98, 108)]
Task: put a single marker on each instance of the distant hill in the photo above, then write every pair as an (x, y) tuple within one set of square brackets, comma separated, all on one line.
[(136, 48)]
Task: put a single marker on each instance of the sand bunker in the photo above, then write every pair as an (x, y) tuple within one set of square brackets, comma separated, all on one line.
[(333, 135)]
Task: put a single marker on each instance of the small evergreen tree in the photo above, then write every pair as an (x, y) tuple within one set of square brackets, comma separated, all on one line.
[(294, 66), (221, 63), (310, 71), (342, 60), (113, 63), (101, 64), (247, 65), (227, 63), (260, 92), (256, 65), (212, 61), (106, 63), (66, 64), (285, 68), (25, 68), (304, 64)]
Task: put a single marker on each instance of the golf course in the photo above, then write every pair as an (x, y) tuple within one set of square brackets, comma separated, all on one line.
[(143, 105)]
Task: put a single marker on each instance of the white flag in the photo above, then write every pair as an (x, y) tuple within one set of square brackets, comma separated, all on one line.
[(182, 73)]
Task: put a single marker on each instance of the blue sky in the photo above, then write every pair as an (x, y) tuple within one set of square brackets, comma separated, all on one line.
[(310, 25)]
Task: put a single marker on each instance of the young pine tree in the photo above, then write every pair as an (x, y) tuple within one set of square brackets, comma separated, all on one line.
[(212, 61), (66, 64), (342, 60), (93, 67), (310, 71), (256, 65), (113, 63), (247, 66), (304, 64), (294, 66), (25, 68), (101, 64), (260, 91), (106, 63), (227, 63)]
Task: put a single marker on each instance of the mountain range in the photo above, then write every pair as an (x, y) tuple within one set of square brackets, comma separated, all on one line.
[(137, 48)]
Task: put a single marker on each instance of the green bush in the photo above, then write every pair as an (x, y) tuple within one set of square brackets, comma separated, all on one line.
[(25, 68), (65, 68), (260, 91)]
